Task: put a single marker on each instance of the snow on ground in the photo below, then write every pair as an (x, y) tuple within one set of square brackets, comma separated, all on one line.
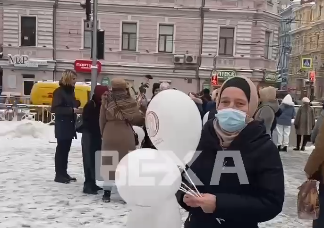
[(30, 198)]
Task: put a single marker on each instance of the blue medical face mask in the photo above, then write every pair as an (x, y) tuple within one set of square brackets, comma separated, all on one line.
[(231, 120)]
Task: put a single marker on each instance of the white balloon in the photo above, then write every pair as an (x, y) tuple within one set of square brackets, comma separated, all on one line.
[(173, 123), (147, 177), (140, 132), (168, 214), (205, 119)]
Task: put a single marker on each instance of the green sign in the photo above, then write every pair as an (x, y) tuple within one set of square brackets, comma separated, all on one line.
[(206, 86), (226, 74), (271, 77), (105, 81)]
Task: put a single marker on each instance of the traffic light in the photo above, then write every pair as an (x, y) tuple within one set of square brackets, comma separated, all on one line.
[(312, 76), (214, 80), (87, 7), (100, 44)]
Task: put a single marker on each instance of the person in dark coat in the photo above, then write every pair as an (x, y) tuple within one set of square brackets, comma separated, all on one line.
[(225, 201), (211, 105), (205, 99), (198, 102), (64, 106), (91, 138)]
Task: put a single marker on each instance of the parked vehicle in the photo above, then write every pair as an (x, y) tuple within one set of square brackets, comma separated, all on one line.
[(42, 92)]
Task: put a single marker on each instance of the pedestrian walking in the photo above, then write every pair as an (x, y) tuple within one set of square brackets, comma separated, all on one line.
[(304, 123), (315, 171), (65, 108), (91, 138), (318, 125), (225, 201), (284, 123), (117, 115), (268, 107)]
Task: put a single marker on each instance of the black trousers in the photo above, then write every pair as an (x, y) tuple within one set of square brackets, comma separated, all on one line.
[(319, 223), (90, 145), (306, 138), (62, 155)]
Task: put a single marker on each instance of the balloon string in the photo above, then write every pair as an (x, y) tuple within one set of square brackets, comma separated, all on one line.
[(190, 190), (185, 191), (192, 182)]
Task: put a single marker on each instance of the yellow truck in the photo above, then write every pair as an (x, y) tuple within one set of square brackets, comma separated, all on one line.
[(42, 92)]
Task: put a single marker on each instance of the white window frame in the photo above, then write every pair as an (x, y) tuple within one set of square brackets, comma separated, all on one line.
[(121, 34), (234, 39), (83, 20), (158, 36), (19, 33), (27, 80)]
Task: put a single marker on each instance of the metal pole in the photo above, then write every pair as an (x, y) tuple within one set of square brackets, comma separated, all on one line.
[(94, 68)]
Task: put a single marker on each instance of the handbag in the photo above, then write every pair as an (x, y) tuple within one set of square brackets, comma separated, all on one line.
[(79, 122), (307, 202), (128, 123)]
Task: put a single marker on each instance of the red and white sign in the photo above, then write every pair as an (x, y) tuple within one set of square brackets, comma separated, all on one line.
[(84, 66)]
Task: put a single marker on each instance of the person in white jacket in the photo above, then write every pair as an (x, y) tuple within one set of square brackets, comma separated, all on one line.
[(284, 122)]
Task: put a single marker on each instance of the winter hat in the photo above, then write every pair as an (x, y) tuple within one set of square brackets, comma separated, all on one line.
[(305, 100), (99, 91), (268, 94), (118, 83), (155, 87), (288, 100), (164, 86)]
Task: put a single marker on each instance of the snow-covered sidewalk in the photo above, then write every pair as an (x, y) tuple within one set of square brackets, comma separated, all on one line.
[(30, 198)]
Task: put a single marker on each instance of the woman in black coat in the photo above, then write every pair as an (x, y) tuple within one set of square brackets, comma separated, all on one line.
[(230, 200), (64, 106), (91, 138)]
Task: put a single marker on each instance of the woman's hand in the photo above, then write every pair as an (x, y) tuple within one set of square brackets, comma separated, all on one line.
[(191, 201), (207, 202)]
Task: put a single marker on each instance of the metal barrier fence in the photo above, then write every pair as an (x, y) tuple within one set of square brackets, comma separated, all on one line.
[(18, 112)]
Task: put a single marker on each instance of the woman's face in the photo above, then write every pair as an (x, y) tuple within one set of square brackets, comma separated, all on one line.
[(74, 79), (104, 95), (235, 98)]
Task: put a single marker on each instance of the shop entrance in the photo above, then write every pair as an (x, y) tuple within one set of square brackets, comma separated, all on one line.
[(28, 83)]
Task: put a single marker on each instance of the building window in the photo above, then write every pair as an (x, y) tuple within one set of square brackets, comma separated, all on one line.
[(28, 30), (166, 34), (226, 41), (267, 45), (129, 36), (28, 85)]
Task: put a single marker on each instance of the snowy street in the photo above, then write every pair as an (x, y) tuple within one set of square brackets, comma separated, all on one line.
[(30, 197)]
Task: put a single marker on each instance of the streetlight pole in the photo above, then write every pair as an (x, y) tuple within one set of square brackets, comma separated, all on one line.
[(94, 67)]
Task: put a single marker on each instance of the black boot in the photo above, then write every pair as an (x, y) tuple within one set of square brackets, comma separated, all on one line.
[(298, 143), (88, 189), (305, 140), (61, 179), (96, 187), (279, 148), (285, 149), (106, 196), (72, 179)]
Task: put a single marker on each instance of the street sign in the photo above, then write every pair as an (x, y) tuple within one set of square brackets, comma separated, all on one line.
[(105, 81), (307, 63)]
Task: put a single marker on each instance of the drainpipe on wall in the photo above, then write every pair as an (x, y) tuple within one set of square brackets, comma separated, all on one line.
[(54, 36), (201, 41)]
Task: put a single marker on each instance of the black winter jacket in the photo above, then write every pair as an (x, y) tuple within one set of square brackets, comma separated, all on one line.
[(90, 117), (239, 205), (62, 105)]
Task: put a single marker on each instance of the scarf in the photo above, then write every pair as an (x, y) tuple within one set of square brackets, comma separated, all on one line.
[(121, 105), (250, 90)]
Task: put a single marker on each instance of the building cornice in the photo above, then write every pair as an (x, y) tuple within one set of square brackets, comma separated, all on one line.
[(28, 4), (152, 9)]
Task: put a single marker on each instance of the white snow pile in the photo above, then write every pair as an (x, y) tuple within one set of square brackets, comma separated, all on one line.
[(25, 128)]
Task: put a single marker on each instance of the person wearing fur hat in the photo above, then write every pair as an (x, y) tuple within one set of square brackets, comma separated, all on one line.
[(118, 113), (284, 122), (268, 107), (304, 123), (228, 203), (91, 138)]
